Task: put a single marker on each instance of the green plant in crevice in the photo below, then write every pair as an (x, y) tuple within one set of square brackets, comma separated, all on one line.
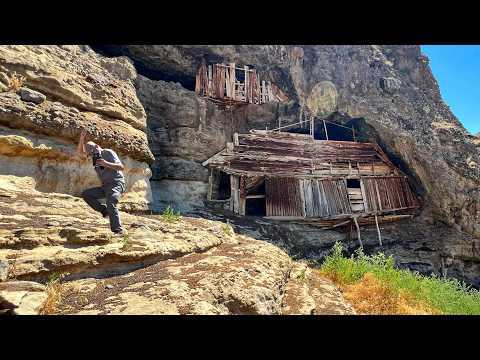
[(170, 215), (126, 241), (227, 230)]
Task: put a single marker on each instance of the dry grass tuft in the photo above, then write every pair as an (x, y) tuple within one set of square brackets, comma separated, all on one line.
[(371, 296), (16, 82), (56, 292)]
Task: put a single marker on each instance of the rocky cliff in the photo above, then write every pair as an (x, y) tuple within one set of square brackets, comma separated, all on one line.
[(387, 93), (163, 131)]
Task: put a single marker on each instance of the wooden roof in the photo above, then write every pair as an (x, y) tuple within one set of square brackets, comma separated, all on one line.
[(287, 154)]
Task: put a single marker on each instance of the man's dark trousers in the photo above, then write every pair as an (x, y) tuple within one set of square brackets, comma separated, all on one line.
[(111, 193)]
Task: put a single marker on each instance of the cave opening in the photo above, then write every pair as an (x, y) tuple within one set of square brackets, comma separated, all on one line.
[(341, 127), (149, 71)]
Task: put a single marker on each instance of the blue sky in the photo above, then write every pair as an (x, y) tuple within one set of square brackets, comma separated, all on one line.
[(457, 70)]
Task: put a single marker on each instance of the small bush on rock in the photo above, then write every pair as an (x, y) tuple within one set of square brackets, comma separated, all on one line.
[(170, 215)]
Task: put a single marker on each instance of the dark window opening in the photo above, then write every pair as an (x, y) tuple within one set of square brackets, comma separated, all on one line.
[(353, 183), (255, 207), (220, 185), (240, 75)]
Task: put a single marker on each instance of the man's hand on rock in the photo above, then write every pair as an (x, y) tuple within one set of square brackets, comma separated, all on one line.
[(83, 135)]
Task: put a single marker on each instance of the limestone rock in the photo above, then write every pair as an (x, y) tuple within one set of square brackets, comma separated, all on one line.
[(188, 266), (43, 233), (3, 270), (242, 278), (79, 77), (308, 293), (4, 79), (390, 84), (27, 297), (31, 95)]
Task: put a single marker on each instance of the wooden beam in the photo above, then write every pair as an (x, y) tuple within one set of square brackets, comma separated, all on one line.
[(325, 127), (232, 81), (358, 232), (378, 230), (210, 183)]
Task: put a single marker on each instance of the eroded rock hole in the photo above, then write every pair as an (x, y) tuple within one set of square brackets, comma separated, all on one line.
[(147, 70)]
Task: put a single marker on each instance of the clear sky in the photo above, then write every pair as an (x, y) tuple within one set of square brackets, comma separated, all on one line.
[(457, 70)]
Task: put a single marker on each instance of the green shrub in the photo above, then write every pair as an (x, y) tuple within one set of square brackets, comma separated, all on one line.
[(170, 215), (227, 230), (449, 296)]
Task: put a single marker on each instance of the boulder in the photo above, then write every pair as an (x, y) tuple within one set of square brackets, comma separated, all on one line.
[(25, 297), (31, 95)]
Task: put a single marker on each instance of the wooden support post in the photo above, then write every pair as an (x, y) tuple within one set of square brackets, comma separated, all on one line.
[(234, 191), (378, 195), (210, 81), (358, 232), (325, 127), (210, 183), (312, 127), (378, 230), (353, 133), (228, 85), (232, 81), (247, 86), (264, 91)]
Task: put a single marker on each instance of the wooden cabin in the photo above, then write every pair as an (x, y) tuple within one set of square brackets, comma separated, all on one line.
[(228, 84), (288, 176)]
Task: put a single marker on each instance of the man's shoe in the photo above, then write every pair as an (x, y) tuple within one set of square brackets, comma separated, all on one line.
[(105, 214), (119, 232)]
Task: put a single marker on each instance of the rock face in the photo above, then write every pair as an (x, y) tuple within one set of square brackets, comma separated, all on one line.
[(185, 130), (387, 93), (188, 266), (51, 93), (48, 94), (23, 297)]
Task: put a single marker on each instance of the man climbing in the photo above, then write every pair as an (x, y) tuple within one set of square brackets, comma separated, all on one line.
[(109, 169)]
